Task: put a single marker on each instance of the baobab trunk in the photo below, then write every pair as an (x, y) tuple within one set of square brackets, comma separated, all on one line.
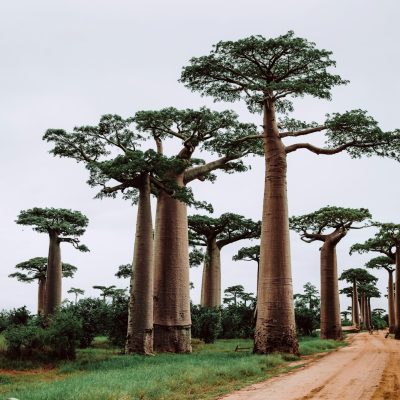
[(211, 282), (331, 327), (275, 326), (140, 318), (54, 276), (392, 319), (41, 296), (397, 294), (172, 320), (355, 310), (369, 313)]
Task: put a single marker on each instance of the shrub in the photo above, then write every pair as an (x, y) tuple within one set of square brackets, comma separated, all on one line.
[(237, 322), (206, 323), (118, 320)]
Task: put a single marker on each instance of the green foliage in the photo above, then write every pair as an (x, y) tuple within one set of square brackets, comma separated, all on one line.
[(36, 269), (381, 262), (118, 320), (124, 271), (64, 333), (253, 67), (58, 220), (206, 323), (196, 257), (238, 321), (328, 217), (94, 316), (248, 254), (307, 310), (358, 274), (226, 229)]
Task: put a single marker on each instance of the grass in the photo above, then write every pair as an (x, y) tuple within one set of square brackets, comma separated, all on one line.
[(101, 373)]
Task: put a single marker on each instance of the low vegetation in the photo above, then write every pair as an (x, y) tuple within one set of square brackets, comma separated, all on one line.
[(101, 373)]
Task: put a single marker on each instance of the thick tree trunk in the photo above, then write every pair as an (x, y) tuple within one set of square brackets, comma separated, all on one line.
[(369, 313), (140, 317), (211, 282), (41, 296), (275, 326), (54, 276), (363, 312), (392, 319), (331, 327), (397, 294), (355, 310), (171, 280)]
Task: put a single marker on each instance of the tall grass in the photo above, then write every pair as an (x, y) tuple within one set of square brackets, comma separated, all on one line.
[(209, 371)]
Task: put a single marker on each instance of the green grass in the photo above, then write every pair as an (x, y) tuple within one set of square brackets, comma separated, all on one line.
[(102, 374)]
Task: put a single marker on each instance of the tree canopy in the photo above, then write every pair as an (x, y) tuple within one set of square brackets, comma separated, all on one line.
[(381, 262), (251, 253), (359, 274), (36, 269), (68, 223)]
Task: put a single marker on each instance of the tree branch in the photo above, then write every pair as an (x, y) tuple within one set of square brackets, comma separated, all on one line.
[(302, 132)]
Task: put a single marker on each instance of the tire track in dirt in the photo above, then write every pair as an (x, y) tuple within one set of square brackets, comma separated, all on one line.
[(368, 369)]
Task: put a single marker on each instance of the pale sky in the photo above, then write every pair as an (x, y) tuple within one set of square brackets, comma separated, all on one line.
[(65, 63)]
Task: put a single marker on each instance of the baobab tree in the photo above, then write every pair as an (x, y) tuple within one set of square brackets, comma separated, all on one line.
[(329, 225), (214, 234), (62, 226), (387, 263), (151, 171), (219, 133), (386, 241), (266, 74), (76, 292), (367, 291), (35, 269), (356, 276)]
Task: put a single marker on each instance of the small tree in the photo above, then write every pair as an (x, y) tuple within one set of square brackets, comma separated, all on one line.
[(105, 291), (329, 225), (76, 292), (214, 234), (61, 225), (35, 269), (307, 309), (387, 263), (386, 241)]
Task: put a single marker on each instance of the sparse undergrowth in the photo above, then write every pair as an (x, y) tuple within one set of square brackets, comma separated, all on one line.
[(100, 373)]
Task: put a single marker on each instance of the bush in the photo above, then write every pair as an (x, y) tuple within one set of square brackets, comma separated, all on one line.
[(64, 334), (237, 322), (206, 323), (118, 320), (26, 340), (94, 314), (306, 320)]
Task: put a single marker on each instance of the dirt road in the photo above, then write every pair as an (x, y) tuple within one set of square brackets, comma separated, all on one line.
[(368, 369)]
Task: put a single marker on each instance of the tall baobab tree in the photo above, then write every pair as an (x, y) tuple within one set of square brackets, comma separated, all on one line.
[(329, 225), (356, 276), (267, 74), (386, 241), (35, 269), (386, 263), (62, 226), (367, 291), (214, 234)]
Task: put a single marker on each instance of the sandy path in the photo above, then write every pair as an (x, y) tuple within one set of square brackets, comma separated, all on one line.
[(368, 369)]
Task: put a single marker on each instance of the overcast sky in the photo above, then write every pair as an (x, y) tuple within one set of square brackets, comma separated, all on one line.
[(65, 63)]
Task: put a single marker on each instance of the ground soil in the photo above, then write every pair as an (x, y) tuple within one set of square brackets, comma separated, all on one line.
[(367, 369)]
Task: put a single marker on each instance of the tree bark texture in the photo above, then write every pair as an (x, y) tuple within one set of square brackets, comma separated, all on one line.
[(331, 327), (397, 294), (54, 276), (392, 319), (41, 296), (369, 313), (140, 316), (211, 282), (363, 311), (275, 326), (172, 320), (355, 311)]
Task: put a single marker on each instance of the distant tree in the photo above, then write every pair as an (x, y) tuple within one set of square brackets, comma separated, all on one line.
[(214, 234), (124, 271), (105, 291), (329, 225), (35, 269), (267, 73), (367, 291), (355, 276), (233, 294), (345, 314), (61, 225), (307, 309), (386, 241), (76, 292), (387, 263)]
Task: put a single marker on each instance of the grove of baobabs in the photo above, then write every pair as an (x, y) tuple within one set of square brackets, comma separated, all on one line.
[(145, 335)]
